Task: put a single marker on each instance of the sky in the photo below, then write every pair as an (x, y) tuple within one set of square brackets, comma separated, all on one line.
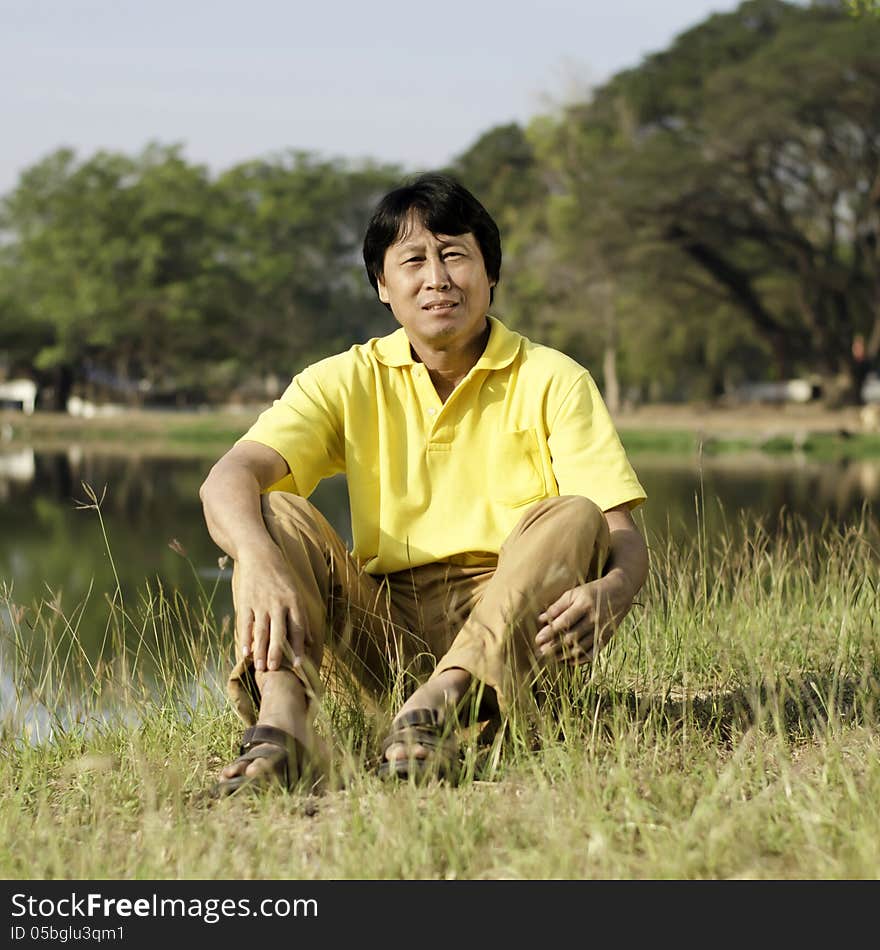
[(412, 83)]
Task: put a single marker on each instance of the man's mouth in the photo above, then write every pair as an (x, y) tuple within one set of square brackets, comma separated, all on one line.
[(440, 306)]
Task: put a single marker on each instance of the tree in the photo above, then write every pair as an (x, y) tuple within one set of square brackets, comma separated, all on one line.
[(293, 228), (745, 156), (863, 7), (503, 169), (142, 276), (111, 262)]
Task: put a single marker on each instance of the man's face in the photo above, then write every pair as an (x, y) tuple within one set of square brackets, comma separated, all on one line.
[(437, 287)]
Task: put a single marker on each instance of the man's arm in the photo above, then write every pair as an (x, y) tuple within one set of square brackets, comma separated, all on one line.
[(269, 620), (583, 619)]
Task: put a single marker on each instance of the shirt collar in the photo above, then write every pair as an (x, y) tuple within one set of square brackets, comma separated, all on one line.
[(501, 350)]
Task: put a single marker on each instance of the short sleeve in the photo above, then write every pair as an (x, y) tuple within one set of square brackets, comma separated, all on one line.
[(305, 427), (586, 452)]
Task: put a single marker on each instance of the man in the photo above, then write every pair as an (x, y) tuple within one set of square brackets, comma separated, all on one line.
[(490, 502)]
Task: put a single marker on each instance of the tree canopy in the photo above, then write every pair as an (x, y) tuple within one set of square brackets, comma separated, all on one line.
[(739, 172), (708, 216), (145, 278)]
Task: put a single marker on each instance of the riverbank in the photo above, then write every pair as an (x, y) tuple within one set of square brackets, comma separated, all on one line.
[(192, 430), (764, 421), (728, 731), (665, 429)]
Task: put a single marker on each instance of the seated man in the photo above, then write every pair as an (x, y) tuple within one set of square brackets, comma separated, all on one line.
[(490, 503)]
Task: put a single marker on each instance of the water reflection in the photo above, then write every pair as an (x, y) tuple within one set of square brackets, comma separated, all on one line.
[(53, 546), (18, 466), (730, 493), (53, 550)]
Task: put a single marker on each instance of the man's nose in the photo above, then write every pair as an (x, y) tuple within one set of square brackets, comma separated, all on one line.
[(438, 275)]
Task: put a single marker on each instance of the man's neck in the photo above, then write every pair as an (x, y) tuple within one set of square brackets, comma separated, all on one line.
[(447, 367)]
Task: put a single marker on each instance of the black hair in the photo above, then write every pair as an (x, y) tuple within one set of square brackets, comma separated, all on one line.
[(444, 206)]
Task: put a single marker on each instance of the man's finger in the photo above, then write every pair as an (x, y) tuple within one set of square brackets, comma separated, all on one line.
[(261, 640), (581, 639), (567, 621), (561, 642), (549, 634), (578, 659), (577, 645), (279, 641), (557, 607), (556, 644), (566, 652), (245, 631)]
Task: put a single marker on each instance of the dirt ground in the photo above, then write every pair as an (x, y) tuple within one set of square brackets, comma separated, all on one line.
[(751, 420), (748, 421)]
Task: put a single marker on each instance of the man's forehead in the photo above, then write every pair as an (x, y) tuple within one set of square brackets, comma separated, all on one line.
[(418, 236)]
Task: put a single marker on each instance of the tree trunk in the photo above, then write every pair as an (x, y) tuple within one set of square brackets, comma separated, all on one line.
[(60, 388), (845, 387), (611, 395), (612, 383)]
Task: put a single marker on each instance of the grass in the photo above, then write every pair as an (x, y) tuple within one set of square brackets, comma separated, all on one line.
[(211, 431), (820, 446), (728, 731), (214, 430)]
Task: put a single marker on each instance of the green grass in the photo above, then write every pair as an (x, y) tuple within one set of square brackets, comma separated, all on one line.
[(728, 731), (212, 431), (821, 446)]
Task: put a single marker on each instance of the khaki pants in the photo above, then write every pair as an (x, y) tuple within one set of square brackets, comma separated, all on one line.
[(422, 621)]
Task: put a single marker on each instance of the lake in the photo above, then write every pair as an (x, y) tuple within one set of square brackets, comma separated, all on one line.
[(52, 546)]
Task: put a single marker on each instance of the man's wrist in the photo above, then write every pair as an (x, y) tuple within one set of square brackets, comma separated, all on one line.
[(618, 581), (254, 549)]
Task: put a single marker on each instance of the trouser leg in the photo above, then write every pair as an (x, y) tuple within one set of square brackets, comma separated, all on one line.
[(558, 544), (340, 600)]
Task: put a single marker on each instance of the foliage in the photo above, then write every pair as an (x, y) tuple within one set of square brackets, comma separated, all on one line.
[(743, 162), (113, 258), (707, 217), (143, 277), (293, 229), (861, 7)]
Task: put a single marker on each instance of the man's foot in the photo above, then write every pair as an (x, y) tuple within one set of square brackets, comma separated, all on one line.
[(263, 744), (441, 698), (294, 748)]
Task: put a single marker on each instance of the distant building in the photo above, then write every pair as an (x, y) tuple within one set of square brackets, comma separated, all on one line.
[(19, 394), (789, 390)]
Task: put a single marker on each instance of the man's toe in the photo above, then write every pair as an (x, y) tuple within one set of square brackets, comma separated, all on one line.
[(253, 768), (400, 750)]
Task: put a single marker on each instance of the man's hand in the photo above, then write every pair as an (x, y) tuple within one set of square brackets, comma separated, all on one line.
[(270, 622), (269, 619), (583, 619)]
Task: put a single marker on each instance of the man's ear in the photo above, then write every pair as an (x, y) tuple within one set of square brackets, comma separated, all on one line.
[(383, 290)]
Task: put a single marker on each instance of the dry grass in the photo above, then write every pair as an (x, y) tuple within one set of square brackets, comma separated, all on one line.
[(729, 731)]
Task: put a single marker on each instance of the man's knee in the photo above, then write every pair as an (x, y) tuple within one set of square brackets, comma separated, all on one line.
[(570, 526), (574, 511), (279, 503), (579, 509), (284, 510)]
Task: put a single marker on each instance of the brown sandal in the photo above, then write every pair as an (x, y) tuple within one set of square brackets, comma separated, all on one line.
[(251, 742), (421, 727)]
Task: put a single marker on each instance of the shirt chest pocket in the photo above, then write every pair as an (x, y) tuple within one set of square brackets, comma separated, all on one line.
[(516, 469)]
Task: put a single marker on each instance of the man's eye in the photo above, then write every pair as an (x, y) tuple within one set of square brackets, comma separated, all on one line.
[(412, 260), (452, 254)]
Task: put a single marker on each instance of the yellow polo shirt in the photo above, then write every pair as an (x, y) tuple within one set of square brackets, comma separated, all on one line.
[(431, 481)]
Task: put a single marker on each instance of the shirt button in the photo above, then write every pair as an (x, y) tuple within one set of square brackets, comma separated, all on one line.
[(432, 411)]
